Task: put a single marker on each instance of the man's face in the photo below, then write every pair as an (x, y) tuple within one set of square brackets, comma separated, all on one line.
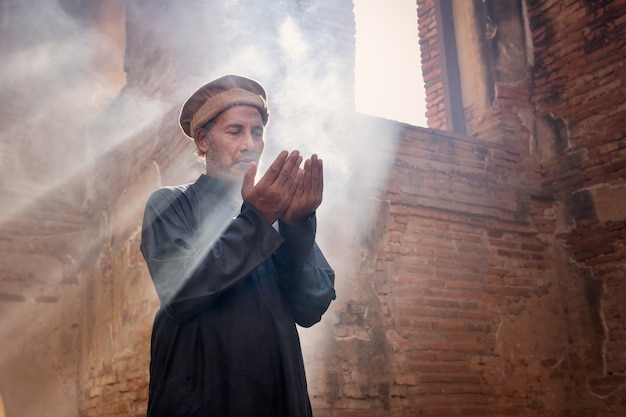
[(233, 143)]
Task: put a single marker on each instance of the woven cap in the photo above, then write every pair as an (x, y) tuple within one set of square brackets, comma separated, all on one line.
[(218, 95)]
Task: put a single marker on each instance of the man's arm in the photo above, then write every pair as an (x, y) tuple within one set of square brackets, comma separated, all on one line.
[(189, 267), (305, 276), (191, 263)]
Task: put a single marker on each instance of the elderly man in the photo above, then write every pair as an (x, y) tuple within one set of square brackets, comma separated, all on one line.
[(236, 266)]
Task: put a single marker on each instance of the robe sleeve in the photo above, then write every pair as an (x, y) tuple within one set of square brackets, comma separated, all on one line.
[(189, 267), (306, 278)]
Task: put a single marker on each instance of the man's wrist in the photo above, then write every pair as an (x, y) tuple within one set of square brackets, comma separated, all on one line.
[(296, 222)]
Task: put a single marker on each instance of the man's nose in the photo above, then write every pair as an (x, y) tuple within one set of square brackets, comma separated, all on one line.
[(247, 141)]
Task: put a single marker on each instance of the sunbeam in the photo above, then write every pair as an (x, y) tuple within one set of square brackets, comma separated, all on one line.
[(74, 133)]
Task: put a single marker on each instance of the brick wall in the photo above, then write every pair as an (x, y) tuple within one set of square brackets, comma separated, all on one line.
[(521, 248), (451, 273), (476, 275), (578, 93), (431, 65), (467, 291)]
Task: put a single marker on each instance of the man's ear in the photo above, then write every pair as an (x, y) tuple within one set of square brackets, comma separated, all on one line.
[(202, 140)]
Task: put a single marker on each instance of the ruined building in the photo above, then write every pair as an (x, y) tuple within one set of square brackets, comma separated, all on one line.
[(481, 262)]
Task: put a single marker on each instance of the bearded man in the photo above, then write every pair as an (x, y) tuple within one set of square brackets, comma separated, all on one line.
[(236, 267)]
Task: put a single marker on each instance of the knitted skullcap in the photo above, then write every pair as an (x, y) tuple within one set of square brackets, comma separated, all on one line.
[(218, 95)]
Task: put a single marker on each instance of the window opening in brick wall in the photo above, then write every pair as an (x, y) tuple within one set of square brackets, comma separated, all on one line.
[(388, 74)]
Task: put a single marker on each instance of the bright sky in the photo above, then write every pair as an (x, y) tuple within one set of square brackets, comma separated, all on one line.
[(388, 75)]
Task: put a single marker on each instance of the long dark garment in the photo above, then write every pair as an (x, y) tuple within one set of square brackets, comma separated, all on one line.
[(232, 289)]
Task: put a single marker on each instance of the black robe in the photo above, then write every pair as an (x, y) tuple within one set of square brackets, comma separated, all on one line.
[(224, 341)]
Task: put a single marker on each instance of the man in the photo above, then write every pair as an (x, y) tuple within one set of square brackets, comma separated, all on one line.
[(234, 279)]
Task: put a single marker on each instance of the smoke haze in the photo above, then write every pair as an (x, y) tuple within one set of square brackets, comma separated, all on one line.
[(74, 93)]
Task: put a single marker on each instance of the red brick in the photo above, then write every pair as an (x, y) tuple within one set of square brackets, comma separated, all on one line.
[(12, 297)]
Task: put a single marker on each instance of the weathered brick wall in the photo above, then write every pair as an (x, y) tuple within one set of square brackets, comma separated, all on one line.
[(431, 65), (578, 95), (452, 272), (556, 268), (463, 297), (476, 275)]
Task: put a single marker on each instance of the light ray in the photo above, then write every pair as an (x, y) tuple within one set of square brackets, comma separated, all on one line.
[(314, 113)]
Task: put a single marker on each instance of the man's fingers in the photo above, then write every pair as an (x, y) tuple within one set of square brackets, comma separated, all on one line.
[(275, 169), (289, 170), (283, 170), (306, 180), (299, 183), (248, 181), (308, 194), (320, 179), (317, 178)]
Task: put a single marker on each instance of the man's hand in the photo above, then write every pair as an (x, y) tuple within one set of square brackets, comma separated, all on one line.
[(274, 191), (308, 193)]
